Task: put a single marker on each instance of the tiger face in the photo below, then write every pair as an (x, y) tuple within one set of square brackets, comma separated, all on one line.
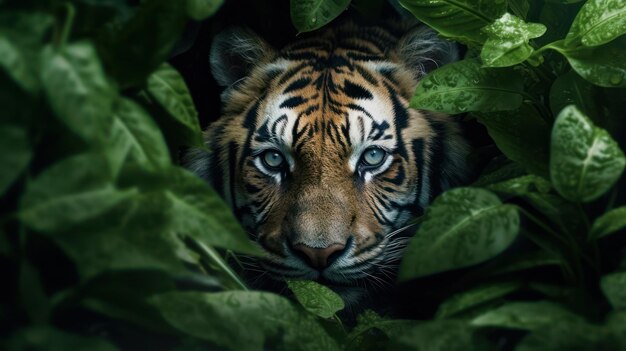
[(318, 152)]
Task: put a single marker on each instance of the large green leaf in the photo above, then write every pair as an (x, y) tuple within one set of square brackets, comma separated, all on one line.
[(609, 223), (522, 135), (372, 332), (474, 297), (70, 192), (21, 35), (78, 90), (573, 337), (15, 153), (308, 15), (136, 44), (440, 335), (316, 298), (571, 89), (135, 137), (168, 88), (465, 225), (526, 315), (44, 338), (198, 211), (242, 320), (598, 22), (458, 19), (584, 160), (202, 9), (522, 185), (601, 65), (507, 42), (466, 86), (614, 287)]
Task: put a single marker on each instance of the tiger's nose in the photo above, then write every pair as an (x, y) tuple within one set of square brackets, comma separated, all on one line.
[(320, 258)]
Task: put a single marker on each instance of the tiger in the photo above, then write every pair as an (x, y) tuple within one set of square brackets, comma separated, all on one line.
[(319, 154)]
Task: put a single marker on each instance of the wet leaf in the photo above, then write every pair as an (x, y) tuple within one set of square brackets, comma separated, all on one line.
[(315, 298), (584, 160), (474, 297), (601, 65), (308, 15), (522, 185), (466, 225), (598, 22), (609, 223), (466, 86), (571, 89), (461, 20), (507, 42)]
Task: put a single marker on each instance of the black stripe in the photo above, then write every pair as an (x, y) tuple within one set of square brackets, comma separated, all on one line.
[(293, 102), (356, 91), (297, 85)]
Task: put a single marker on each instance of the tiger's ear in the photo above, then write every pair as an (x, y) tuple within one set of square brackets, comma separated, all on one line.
[(234, 52), (422, 50)]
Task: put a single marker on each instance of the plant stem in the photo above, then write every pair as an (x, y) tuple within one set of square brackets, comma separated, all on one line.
[(70, 13), (210, 254)]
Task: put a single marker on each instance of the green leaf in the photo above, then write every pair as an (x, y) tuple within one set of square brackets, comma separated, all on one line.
[(168, 88), (474, 297), (519, 7), (316, 298), (602, 65), (585, 161), (15, 154), (458, 19), (372, 332), (308, 15), (526, 316), (573, 337), (203, 9), (70, 192), (440, 335), (241, 320), (48, 339), (522, 135), (598, 22), (466, 86), (507, 41), (136, 44), (21, 35), (571, 89), (198, 211), (465, 225), (614, 288), (78, 90), (522, 185), (609, 223), (136, 137), (32, 294), (560, 211)]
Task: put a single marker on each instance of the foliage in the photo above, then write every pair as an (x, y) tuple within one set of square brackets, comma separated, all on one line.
[(93, 118)]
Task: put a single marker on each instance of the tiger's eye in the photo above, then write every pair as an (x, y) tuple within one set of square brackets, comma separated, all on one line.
[(374, 156), (273, 159)]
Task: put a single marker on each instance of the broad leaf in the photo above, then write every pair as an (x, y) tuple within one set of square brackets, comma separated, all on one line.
[(70, 192), (202, 9), (609, 223), (466, 86), (601, 65), (135, 137), (507, 42), (440, 335), (571, 89), (560, 211), (168, 88), (573, 337), (476, 296), (614, 288), (598, 22), (522, 135), (526, 315), (584, 160), (522, 185), (465, 225), (15, 154), (242, 320), (316, 298), (458, 19), (46, 338), (313, 14), (136, 44), (78, 90), (372, 332)]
